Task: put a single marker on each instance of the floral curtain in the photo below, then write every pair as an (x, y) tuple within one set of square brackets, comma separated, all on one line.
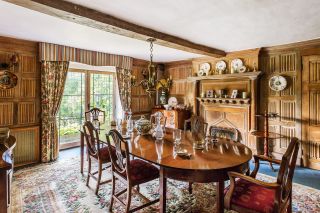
[(123, 79), (53, 77)]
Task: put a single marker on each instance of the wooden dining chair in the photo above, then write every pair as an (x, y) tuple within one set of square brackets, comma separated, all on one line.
[(224, 132), (247, 194), (96, 152), (196, 124), (130, 172), (96, 116), (163, 120)]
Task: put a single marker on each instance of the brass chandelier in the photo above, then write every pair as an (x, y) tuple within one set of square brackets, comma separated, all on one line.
[(149, 83)]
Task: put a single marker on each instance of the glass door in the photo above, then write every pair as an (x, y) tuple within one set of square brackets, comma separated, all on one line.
[(71, 111), (101, 94), (83, 91)]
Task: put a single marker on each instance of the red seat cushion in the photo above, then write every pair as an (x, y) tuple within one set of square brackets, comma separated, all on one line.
[(142, 172), (104, 154), (252, 196)]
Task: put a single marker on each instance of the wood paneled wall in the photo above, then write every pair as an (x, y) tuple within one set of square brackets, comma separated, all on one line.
[(179, 71), (141, 103), (294, 104), (20, 106)]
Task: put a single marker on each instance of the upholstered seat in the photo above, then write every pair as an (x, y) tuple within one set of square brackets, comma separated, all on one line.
[(104, 154), (252, 196), (141, 172), (247, 194)]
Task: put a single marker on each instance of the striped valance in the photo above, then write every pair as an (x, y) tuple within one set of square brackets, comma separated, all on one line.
[(54, 52)]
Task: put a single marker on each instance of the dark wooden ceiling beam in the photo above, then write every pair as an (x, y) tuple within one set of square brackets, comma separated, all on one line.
[(92, 18)]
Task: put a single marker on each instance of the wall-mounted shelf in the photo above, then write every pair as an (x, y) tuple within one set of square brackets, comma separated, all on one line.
[(230, 101), (250, 75)]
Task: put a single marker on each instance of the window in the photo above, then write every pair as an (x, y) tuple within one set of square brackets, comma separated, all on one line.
[(84, 89)]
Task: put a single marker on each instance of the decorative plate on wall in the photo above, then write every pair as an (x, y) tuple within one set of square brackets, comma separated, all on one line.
[(172, 101), (236, 64), (8, 80), (277, 83), (221, 66), (205, 67)]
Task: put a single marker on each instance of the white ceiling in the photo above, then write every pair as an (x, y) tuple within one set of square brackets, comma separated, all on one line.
[(228, 25), (19, 22)]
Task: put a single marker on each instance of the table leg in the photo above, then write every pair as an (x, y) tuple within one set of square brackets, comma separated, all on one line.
[(163, 191), (220, 196), (81, 151)]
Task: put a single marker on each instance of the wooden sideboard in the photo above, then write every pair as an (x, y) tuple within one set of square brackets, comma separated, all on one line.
[(175, 117), (6, 170)]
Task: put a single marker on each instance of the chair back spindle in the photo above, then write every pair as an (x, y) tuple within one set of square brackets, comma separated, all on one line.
[(92, 138), (121, 151), (287, 167)]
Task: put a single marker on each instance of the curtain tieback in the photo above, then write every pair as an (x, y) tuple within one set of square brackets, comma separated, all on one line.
[(50, 119)]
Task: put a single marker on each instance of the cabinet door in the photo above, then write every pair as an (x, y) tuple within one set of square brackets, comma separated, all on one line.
[(171, 118), (311, 111)]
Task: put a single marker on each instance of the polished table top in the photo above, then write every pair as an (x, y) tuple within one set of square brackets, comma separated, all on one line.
[(222, 154)]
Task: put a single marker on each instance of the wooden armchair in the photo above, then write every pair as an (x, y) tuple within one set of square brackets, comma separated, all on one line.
[(224, 132), (248, 194), (96, 152), (130, 172), (196, 125), (96, 116)]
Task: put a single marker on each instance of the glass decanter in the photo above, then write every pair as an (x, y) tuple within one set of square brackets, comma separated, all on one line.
[(158, 130)]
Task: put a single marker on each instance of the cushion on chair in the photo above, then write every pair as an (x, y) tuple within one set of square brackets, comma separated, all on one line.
[(252, 196), (104, 154), (142, 172)]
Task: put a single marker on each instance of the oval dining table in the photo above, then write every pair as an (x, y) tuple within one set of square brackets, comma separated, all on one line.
[(207, 165)]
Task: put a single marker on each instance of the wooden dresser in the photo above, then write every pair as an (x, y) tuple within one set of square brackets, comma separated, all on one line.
[(6, 170), (175, 117)]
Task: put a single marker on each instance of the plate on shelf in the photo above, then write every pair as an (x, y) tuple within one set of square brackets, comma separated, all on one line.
[(221, 65), (242, 69), (236, 64), (200, 72), (172, 101), (205, 67)]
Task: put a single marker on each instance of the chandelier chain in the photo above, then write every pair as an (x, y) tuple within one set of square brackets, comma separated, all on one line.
[(151, 50)]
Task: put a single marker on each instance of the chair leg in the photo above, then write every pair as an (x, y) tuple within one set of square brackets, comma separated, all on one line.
[(89, 170), (99, 177), (190, 188), (289, 209), (112, 193), (128, 199)]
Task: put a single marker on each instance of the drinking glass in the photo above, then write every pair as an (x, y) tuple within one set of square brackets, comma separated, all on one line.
[(119, 123), (130, 126), (177, 136)]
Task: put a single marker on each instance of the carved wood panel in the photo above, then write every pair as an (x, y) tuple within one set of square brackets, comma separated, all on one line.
[(26, 112), (311, 111), (140, 100), (20, 106), (285, 63), (6, 114)]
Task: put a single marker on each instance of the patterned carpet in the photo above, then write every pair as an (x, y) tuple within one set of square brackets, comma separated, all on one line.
[(59, 187)]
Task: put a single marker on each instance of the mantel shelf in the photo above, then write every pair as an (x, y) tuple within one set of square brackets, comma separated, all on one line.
[(229, 101), (250, 75)]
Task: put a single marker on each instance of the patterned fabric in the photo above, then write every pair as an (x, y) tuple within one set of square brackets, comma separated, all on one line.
[(67, 192), (252, 196), (124, 84), (53, 77), (54, 52), (142, 172)]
